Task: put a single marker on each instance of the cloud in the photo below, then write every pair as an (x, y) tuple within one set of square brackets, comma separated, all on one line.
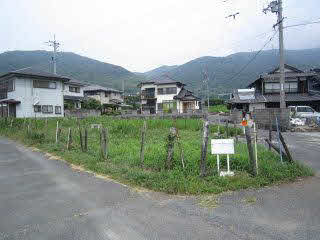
[(141, 35)]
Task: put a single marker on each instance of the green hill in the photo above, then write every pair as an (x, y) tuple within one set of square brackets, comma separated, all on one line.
[(223, 71), (71, 65)]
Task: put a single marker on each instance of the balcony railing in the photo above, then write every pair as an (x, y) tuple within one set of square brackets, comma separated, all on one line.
[(3, 94), (147, 95)]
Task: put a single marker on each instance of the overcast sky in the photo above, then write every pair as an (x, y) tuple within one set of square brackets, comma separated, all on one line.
[(144, 34)]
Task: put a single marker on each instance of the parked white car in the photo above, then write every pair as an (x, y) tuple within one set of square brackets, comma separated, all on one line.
[(303, 112)]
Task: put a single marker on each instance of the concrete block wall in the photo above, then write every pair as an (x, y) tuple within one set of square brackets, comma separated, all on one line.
[(263, 117), (80, 113)]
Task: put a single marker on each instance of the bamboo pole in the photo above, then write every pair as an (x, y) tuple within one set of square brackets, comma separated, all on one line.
[(205, 139)]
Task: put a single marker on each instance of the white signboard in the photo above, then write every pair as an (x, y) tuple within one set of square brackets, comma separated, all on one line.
[(222, 146)]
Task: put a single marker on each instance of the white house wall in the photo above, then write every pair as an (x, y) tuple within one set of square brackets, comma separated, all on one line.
[(167, 97), (29, 96)]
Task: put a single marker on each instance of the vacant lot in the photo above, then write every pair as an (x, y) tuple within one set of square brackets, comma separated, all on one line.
[(123, 162)]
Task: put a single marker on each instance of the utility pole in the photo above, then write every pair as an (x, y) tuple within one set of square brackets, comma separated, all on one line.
[(55, 46), (276, 7)]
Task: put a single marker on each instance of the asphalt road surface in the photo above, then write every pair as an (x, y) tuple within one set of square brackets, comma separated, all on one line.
[(46, 199)]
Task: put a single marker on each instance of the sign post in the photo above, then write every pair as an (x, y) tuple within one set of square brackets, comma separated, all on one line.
[(223, 146)]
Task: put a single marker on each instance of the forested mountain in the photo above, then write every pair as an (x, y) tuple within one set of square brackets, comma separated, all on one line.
[(160, 71), (71, 65), (225, 73)]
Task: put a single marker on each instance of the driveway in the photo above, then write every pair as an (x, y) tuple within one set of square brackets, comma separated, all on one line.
[(46, 199)]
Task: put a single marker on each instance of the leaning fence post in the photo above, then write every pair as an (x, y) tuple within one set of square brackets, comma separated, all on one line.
[(249, 145), (69, 139), (170, 147), (205, 138), (286, 148), (143, 135), (57, 132)]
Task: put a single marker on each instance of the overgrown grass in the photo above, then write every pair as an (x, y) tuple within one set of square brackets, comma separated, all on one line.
[(219, 108), (124, 159)]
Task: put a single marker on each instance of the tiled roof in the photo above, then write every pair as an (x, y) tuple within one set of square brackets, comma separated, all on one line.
[(76, 82), (75, 98), (100, 88), (185, 95)]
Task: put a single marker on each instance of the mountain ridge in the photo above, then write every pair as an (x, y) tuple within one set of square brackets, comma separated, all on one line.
[(223, 72)]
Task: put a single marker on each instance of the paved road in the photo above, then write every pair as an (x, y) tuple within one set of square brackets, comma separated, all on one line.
[(46, 199)]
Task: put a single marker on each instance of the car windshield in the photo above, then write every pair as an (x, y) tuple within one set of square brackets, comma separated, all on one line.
[(305, 109)]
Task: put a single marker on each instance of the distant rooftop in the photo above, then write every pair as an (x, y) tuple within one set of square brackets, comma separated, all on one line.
[(99, 88), (163, 79), (31, 72)]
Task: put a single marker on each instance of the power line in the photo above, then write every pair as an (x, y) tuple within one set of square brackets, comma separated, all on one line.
[(301, 24), (253, 58)]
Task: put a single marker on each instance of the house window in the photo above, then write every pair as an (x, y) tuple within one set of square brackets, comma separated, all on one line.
[(44, 84), (291, 87), (74, 89), (57, 110), (37, 108), (160, 91), (171, 90), (47, 109), (272, 87), (7, 85)]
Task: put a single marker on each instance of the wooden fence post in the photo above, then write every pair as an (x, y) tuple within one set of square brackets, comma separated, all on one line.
[(270, 133), (170, 147), (85, 139), (250, 150), (103, 143), (143, 135), (80, 136), (205, 138), (227, 128), (57, 133), (289, 157), (11, 124), (106, 140), (181, 149), (69, 139)]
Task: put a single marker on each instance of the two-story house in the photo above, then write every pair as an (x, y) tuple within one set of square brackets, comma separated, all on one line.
[(164, 94), (300, 88), (32, 93), (73, 93), (108, 97)]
